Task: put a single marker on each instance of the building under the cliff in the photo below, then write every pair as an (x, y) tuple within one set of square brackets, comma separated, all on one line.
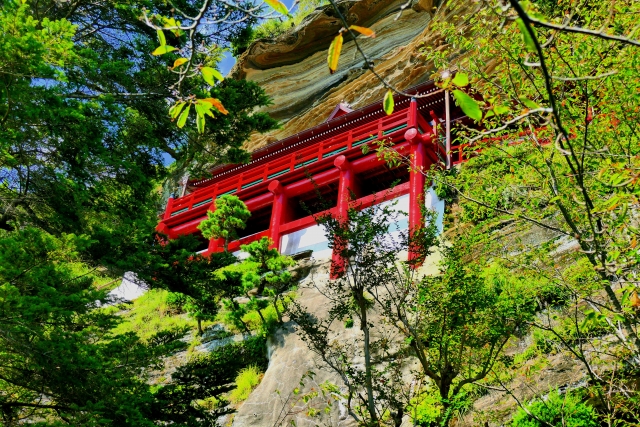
[(328, 159)]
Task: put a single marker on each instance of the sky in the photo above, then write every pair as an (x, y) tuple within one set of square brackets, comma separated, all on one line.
[(229, 61), (224, 66)]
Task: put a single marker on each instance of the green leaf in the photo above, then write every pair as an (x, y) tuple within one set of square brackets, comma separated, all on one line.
[(461, 79), (200, 122), (203, 108), (468, 105), (208, 74), (501, 109), (387, 102), (526, 37), (529, 103), (619, 318), (161, 38), (183, 117), (163, 49), (278, 7), (175, 110)]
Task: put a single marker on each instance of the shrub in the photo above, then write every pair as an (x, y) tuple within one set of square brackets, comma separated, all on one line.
[(246, 381), (557, 410), (348, 323), (425, 410)]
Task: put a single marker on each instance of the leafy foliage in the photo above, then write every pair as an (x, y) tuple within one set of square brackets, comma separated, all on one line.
[(566, 410), (207, 376), (229, 216), (246, 381), (83, 132)]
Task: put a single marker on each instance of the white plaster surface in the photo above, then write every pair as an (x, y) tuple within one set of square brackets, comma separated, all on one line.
[(129, 289), (310, 238), (313, 238), (433, 202)]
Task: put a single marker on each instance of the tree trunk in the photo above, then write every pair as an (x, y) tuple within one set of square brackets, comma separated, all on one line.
[(362, 304), (445, 387), (275, 306), (261, 286), (200, 331), (264, 322)]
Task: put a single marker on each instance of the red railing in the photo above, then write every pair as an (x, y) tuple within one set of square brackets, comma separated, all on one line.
[(291, 161)]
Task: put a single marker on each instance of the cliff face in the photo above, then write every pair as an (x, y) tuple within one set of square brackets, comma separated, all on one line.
[(293, 68)]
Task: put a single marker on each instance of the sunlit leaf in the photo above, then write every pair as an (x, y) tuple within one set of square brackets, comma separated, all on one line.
[(161, 38), (529, 103), (208, 74), (363, 30), (175, 110), (200, 122), (278, 6), (387, 102), (183, 117), (178, 62), (468, 105), (163, 49), (216, 103), (501, 109), (461, 80), (526, 37), (334, 53)]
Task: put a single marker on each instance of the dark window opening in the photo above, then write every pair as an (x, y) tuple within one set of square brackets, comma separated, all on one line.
[(257, 222), (382, 178), (315, 201)]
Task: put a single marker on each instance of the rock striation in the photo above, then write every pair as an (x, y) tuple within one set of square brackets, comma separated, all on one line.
[(293, 68)]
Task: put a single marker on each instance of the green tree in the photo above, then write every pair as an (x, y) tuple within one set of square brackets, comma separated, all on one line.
[(59, 361), (368, 258), (83, 132), (173, 265), (229, 216), (546, 78), (181, 401), (459, 322), (271, 271)]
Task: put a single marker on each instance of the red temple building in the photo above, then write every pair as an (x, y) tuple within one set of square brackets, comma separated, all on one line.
[(329, 159)]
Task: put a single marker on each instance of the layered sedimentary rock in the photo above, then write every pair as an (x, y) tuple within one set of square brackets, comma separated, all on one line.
[(293, 68)]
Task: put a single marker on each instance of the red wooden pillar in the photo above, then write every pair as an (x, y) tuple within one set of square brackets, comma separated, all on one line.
[(416, 184), (345, 184), (215, 245), (277, 212)]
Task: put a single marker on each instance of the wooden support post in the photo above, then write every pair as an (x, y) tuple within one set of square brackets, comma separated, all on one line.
[(277, 212), (345, 184), (416, 184), (215, 245)]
